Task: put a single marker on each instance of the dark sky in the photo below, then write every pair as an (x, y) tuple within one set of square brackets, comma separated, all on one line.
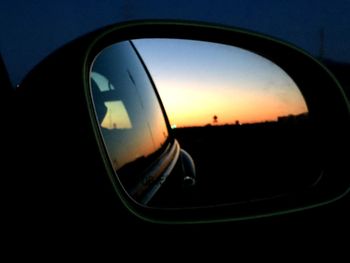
[(32, 29)]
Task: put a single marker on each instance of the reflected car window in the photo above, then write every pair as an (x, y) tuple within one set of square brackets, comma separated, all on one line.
[(128, 111), (116, 111)]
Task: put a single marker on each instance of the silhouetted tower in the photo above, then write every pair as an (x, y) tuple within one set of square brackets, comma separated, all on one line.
[(215, 119)]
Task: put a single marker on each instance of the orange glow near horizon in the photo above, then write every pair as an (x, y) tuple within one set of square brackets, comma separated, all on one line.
[(197, 80), (192, 107)]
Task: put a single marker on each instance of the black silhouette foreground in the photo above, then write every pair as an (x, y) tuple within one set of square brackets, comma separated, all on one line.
[(244, 162)]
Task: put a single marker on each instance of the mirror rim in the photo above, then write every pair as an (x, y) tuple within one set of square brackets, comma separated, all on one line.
[(286, 56)]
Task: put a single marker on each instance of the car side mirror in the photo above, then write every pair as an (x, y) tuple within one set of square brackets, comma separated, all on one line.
[(187, 122)]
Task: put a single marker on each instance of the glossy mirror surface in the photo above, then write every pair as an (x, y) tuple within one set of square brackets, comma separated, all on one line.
[(198, 80), (129, 114), (241, 118)]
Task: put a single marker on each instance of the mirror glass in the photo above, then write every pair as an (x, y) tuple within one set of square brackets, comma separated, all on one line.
[(130, 117), (241, 121)]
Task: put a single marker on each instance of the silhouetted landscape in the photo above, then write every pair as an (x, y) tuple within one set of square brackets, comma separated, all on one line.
[(251, 161), (246, 162), (255, 161)]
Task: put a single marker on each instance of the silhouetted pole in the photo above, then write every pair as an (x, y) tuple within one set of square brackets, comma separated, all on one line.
[(125, 10), (321, 54)]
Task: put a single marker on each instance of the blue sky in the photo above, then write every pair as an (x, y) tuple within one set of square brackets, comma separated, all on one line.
[(30, 30), (198, 79)]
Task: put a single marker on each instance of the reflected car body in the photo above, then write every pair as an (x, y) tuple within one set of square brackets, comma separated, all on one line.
[(133, 122)]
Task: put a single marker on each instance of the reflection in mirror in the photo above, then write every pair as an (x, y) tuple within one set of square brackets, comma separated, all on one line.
[(130, 117), (203, 83), (241, 118)]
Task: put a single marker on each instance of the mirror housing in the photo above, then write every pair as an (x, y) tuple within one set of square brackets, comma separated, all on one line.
[(55, 106)]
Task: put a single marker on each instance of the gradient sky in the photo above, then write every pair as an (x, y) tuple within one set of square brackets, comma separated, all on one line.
[(30, 30), (197, 80)]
